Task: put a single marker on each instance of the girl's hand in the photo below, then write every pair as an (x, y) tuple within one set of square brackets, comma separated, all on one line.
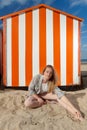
[(41, 101)]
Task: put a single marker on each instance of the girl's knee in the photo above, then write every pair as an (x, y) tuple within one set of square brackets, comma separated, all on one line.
[(31, 104), (26, 103)]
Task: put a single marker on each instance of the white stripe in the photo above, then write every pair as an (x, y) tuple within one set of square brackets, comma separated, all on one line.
[(35, 42), (63, 48), (22, 50), (75, 52), (49, 37), (9, 54)]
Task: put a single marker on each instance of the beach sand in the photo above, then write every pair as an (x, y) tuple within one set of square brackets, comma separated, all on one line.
[(14, 115)]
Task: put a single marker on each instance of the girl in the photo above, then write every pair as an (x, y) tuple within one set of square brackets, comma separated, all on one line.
[(43, 88)]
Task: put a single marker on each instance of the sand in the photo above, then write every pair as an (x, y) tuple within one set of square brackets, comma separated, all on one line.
[(14, 115)]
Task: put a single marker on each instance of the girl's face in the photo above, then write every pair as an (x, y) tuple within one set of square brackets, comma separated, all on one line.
[(48, 73)]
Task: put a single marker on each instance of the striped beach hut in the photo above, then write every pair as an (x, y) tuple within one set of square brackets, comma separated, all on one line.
[(37, 36)]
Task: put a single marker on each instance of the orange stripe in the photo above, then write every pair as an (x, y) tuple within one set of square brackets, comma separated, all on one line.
[(15, 59), (28, 47), (79, 63), (42, 37), (56, 32), (69, 51), (4, 53)]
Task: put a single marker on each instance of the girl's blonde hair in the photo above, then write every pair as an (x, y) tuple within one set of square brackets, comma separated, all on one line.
[(53, 80)]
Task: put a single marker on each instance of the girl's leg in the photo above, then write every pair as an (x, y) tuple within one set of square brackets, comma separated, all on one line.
[(31, 102), (70, 107), (65, 103), (48, 98)]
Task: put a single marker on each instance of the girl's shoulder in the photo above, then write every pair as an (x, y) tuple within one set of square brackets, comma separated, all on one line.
[(38, 76)]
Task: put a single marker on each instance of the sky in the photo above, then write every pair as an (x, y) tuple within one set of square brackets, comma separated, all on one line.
[(74, 7)]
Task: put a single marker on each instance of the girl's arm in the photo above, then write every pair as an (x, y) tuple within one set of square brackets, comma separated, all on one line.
[(39, 99), (32, 85)]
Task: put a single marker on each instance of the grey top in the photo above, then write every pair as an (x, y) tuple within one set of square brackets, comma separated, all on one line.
[(35, 87)]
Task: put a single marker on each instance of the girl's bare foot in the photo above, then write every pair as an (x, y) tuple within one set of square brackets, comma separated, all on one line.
[(78, 116)]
